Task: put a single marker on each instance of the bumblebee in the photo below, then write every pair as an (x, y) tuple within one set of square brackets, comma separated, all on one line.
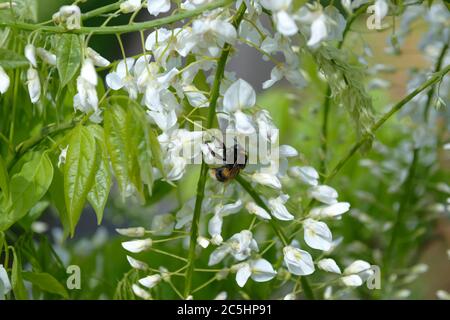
[(229, 171)]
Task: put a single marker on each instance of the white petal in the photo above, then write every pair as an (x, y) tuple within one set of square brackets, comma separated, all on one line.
[(136, 246), (130, 6), (46, 56), (285, 24), (224, 30), (243, 274), (279, 210), (306, 174), (98, 60), (150, 281), (275, 75), (359, 267), (4, 280), (318, 31), (4, 81), (324, 194), (132, 232), (238, 96), (329, 265), (34, 85), (317, 235), (203, 242), (215, 225), (155, 7), (352, 281), (257, 210), (30, 54), (330, 211), (136, 263), (287, 151), (298, 262), (266, 179), (141, 293), (114, 81), (381, 9), (262, 270), (229, 208), (243, 123), (88, 72), (218, 255)]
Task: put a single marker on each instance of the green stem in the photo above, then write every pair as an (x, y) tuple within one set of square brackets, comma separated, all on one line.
[(101, 10), (436, 77), (214, 95), (122, 28), (408, 188), (433, 89)]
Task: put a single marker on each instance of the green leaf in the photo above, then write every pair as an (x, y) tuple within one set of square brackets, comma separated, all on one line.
[(56, 192), (79, 172), (4, 179), (27, 187), (98, 195), (20, 292), (117, 143), (10, 60), (46, 282), (68, 57)]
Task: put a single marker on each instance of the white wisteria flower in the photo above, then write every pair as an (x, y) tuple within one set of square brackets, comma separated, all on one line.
[(317, 235), (141, 293), (329, 265), (352, 281), (330, 211), (282, 17), (150, 281), (155, 7), (5, 284), (298, 262), (4, 81), (34, 85), (253, 208), (278, 209), (123, 78), (69, 16), (306, 174), (46, 56), (130, 6), (259, 270), (136, 246), (361, 268), (220, 211), (62, 156), (324, 194), (266, 179), (30, 54), (132, 232), (86, 99), (240, 246), (356, 273), (325, 24), (137, 264), (96, 58)]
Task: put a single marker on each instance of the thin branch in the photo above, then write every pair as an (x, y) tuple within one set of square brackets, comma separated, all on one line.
[(122, 28)]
